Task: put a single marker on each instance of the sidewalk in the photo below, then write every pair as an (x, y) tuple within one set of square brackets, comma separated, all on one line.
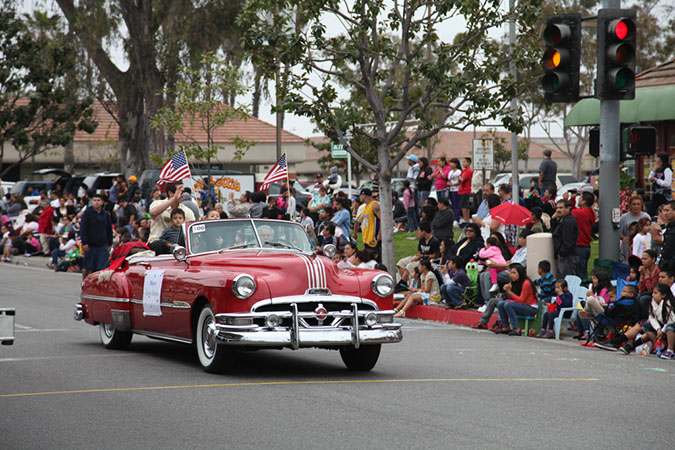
[(32, 261), (466, 317)]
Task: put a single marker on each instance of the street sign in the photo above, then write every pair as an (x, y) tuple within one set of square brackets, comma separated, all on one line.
[(483, 154), (337, 150)]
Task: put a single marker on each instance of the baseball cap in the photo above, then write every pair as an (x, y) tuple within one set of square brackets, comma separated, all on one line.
[(367, 192), (133, 178), (412, 158), (318, 175)]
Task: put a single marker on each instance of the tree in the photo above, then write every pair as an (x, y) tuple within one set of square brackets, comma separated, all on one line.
[(201, 101), (157, 37), (502, 154), (39, 110), (401, 81)]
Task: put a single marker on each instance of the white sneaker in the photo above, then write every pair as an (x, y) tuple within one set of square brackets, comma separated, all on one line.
[(482, 309), (494, 288), (455, 224)]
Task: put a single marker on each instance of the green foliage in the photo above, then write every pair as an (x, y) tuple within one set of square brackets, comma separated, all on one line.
[(201, 96), (39, 110)]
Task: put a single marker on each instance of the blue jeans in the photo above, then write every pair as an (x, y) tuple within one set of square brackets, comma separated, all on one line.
[(584, 255), (452, 294), (412, 219), (440, 195), (509, 312), (56, 254), (424, 195)]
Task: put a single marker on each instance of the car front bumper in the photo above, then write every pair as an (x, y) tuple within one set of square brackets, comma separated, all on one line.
[(365, 327)]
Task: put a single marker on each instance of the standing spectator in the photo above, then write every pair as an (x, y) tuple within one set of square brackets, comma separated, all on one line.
[(96, 235), (398, 210), (643, 237), (133, 186), (290, 204), (548, 170), (423, 182), (510, 231), (126, 210), (635, 213), (413, 169), (258, 206), (441, 225), (661, 178), (465, 189), (483, 208), (585, 221), (239, 210), (189, 202), (667, 257), (565, 236), (409, 204), (371, 229), (318, 203), (122, 187), (440, 177), (45, 226), (453, 187), (342, 219)]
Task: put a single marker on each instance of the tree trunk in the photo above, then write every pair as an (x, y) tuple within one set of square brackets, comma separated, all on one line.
[(69, 159), (387, 215), (256, 94)]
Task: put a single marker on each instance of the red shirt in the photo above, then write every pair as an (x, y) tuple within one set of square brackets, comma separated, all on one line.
[(585, 220), (45, 221), (465, 186)]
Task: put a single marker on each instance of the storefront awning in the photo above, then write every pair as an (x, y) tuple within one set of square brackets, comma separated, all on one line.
[(651, 104)]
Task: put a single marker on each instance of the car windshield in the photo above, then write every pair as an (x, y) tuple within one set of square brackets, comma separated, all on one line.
[(216, 235)]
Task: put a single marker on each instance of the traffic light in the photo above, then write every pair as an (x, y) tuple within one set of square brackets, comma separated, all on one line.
[(617, 43), (594, 142), (640, 140), (562, 58)]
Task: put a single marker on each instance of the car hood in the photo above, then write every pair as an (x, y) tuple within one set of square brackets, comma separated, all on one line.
[(291, 273)]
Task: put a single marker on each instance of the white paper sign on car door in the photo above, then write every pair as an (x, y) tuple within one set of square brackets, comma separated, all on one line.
[(152, 293)]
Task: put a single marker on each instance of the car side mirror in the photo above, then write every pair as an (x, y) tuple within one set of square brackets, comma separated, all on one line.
[(329, 250), (180, 253)]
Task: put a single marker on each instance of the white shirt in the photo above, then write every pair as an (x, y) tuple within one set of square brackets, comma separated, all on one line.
[(641, 243), (161, 222), (453, 177)]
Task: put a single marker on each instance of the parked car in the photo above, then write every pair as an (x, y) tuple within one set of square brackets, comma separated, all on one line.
[(244, 284), (65, 182), (524, 179), (99, 182), (26, 189), (568, 187), (6, 187), (396, 185)]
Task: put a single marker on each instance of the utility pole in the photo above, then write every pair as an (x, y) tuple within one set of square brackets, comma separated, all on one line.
[(609, 170), (515, 185)]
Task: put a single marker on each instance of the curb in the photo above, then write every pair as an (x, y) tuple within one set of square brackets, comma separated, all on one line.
[(440, 314), (32, 261)]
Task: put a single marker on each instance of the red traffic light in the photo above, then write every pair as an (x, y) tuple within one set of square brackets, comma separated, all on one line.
[(556, 33), (622, 29)]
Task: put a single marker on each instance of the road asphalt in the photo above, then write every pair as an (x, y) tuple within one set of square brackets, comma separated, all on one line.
[(444, 386)]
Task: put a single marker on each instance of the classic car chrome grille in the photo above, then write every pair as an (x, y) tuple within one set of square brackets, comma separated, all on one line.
[(311, 307)]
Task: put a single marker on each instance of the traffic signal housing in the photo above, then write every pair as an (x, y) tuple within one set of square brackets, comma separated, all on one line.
[(617, 44), (562, 58), (640, 140)]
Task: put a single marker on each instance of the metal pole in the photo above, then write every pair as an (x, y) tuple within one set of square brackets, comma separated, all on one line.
[(349, 175), (515, 190), (609, 170)]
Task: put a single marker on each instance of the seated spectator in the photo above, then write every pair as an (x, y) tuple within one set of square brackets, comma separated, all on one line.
[(599, 291), (273, 211), (563, 299), (348, 251), (428, 213), (649, 277), (521, 301), (468, 247), (441, 225), (67, 243), (634, 274), (305, 219), (398, 210), (618, 312), (362, 260), (487, 225), (537, 226), (15, 246), (427, 247), (342, 219), (492, 253), (328, 237), (545, 282), (455, 282), (428, 292), (660, 325), (33, 246), (169, 237), (519, 257)]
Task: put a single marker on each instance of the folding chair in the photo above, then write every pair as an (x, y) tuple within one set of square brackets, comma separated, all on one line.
[(578, 294), (620, 314), (573, 282), (470, 293)]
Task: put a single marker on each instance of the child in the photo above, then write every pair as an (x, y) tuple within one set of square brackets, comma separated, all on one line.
[(546, 281), (32, 244), (563, 300), (455, 282), (633, 274), (642, 240), (661, 321), (493, 253), (617, 311), (305, 220), (170, 235)]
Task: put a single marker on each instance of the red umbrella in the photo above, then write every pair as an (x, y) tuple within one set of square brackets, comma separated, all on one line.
[(511, 214)]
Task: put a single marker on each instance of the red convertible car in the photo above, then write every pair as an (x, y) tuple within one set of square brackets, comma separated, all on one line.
[(243, 284)]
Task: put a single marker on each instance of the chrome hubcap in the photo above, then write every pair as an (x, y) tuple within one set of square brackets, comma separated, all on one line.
[(208, 337), (108, 329)]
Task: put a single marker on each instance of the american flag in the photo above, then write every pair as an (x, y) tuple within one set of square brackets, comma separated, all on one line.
[(175, 169), (278, 173)]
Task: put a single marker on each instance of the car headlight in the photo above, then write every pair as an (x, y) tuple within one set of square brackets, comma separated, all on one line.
[(243, 286), (383, 285)]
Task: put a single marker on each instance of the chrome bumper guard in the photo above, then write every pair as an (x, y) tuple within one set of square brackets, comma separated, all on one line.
[(79, 312), (367, 327)]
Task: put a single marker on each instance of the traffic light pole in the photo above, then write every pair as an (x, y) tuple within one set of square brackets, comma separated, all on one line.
[(609, 171)]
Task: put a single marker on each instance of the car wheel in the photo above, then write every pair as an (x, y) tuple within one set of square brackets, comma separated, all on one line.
[(361, 359), (214, 358), (113, 338)]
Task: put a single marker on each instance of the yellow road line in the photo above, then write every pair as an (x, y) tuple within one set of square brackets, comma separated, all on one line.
[(281, 383)]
